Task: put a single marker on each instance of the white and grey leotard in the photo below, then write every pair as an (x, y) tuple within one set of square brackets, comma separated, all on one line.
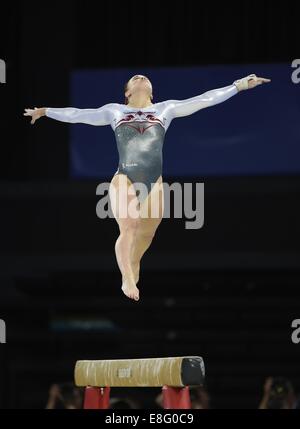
[(140, 132)]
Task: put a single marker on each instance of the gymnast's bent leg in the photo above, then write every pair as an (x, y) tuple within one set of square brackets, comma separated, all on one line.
[(148, 225), (122, 202)]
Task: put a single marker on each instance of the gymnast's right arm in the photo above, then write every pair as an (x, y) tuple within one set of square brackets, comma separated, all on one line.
[(100, 116)]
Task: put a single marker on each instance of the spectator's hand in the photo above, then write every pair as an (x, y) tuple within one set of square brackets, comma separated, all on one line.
[(54, 391), (266, 395), (268, 385), (54, 394)]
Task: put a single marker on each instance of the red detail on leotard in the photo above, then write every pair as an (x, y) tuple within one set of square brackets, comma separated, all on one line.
[(131, 117)]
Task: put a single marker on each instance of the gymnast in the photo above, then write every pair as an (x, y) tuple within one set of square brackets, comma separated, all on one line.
[(140, 126)]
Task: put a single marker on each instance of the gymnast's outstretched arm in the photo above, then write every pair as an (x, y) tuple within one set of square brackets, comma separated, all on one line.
[(99, 116), (191, 105)]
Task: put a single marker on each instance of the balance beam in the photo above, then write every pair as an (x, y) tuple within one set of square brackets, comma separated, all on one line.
[(151, 372), (173, 374)]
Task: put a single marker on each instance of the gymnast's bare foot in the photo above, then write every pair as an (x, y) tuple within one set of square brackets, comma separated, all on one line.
[(129, 288)]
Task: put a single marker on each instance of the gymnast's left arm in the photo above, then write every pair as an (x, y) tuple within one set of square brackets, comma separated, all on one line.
[(178, 108)]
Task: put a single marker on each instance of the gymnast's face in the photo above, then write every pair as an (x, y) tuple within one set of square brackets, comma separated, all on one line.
[(139, 84)]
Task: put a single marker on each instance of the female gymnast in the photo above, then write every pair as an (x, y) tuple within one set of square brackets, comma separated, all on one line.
[(140, 127)]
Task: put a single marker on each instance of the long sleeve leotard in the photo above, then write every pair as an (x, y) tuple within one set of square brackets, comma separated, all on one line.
[(140, 132)]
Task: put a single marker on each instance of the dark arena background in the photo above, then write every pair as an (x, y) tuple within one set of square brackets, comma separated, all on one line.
[(228, 292)]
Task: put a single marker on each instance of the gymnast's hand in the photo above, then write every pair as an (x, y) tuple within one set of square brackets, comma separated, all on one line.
[(250, 82), (35, 113)]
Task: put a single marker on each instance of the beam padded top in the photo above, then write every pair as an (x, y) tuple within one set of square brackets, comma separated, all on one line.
[(150, 372)]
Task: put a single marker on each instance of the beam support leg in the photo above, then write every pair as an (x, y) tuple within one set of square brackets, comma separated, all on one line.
[(176, 397), (96, 398)]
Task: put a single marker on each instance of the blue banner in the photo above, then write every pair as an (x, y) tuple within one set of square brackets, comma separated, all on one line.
[(255, 132)]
